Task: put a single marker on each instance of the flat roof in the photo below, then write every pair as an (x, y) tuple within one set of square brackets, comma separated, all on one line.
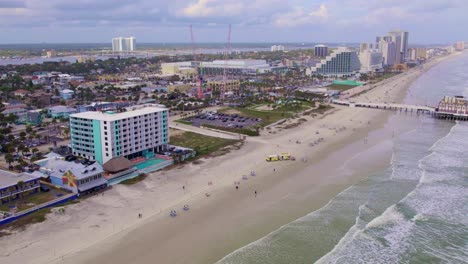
[(8, 178), (112, 116)]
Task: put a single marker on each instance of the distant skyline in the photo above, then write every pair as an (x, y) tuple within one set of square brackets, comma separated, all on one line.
[(158, 21)]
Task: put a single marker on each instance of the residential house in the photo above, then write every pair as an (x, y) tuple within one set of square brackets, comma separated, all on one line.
[(66, 94), (21, 93)]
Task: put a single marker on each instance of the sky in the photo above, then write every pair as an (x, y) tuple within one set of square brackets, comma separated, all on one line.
[(156, 21)]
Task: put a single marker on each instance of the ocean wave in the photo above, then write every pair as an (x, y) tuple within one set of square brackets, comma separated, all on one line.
[(411, 230)]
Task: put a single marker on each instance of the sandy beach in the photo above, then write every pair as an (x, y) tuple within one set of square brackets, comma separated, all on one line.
[(350, 144)]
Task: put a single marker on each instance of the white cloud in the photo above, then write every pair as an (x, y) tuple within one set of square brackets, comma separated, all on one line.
[(299, 16), (213, 8)]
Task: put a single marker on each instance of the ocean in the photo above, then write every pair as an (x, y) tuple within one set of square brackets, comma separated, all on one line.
[(413, 211)]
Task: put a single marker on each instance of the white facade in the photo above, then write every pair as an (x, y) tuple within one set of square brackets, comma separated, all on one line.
[(400, 37), (136, 132), (277, 48), (123, 44), (371, 60), (342, 62), (389, 50)]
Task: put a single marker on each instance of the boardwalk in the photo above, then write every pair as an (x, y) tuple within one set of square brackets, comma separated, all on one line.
[(389, 106), (418, 109)]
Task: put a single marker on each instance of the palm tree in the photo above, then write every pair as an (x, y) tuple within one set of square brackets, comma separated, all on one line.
[(20, 185), (9, 159)]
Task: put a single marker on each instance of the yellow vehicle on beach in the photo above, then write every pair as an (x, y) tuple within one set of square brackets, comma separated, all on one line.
[(282, 156), (272, 158)]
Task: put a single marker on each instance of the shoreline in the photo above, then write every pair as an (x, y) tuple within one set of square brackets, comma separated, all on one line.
[(182, 231)]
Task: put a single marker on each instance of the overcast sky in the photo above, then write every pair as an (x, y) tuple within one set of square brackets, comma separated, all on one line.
[(92, 21)]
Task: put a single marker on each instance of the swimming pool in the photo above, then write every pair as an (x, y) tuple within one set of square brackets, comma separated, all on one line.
[(148, 163)]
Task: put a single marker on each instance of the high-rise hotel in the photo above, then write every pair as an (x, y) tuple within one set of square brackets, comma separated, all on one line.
[(140, 130)]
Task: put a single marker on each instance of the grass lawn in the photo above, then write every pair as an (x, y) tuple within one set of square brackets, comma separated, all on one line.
[(385, 76), (36, 217), (137, 179), (29, 201), (183, 121), (340, 87), (21, 223), (203, 145)]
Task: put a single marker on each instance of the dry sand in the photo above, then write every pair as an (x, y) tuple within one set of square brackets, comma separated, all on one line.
[(106, 228)]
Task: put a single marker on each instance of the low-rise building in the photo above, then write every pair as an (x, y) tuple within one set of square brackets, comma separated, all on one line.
[(180, 87), (184, 68), (40, 99), (66, 94), (21, 93), (16, 185), (218, 84), (61, 111), (76, 176), (34, 117), (19, 110)]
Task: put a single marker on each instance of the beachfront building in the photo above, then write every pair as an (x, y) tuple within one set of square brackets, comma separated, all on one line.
[(454, 105), (78, 177), (401, 38), (17, 185), (140, 130), (342, 62), (320, 51), (371, 60)]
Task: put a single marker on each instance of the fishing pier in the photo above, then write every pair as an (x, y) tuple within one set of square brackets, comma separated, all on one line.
[(450, 108)]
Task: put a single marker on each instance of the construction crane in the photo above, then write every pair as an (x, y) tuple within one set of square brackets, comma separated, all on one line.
[(227, 50), (198, 67)]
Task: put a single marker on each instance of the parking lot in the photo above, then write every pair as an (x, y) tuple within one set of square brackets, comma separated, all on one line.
[(223, 120)]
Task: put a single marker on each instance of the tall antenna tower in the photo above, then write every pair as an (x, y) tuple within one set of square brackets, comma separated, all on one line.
[(227, 51), (197, 66)]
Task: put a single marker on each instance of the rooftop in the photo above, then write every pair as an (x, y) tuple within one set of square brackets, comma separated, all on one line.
[(8, 178), (112, 116), (61, 108), (56, 167)]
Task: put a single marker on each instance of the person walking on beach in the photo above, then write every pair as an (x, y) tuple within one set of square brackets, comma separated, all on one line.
[(255, 193), (237, 187)]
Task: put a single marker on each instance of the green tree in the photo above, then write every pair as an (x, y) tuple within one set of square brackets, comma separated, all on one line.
[(9, 158)]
